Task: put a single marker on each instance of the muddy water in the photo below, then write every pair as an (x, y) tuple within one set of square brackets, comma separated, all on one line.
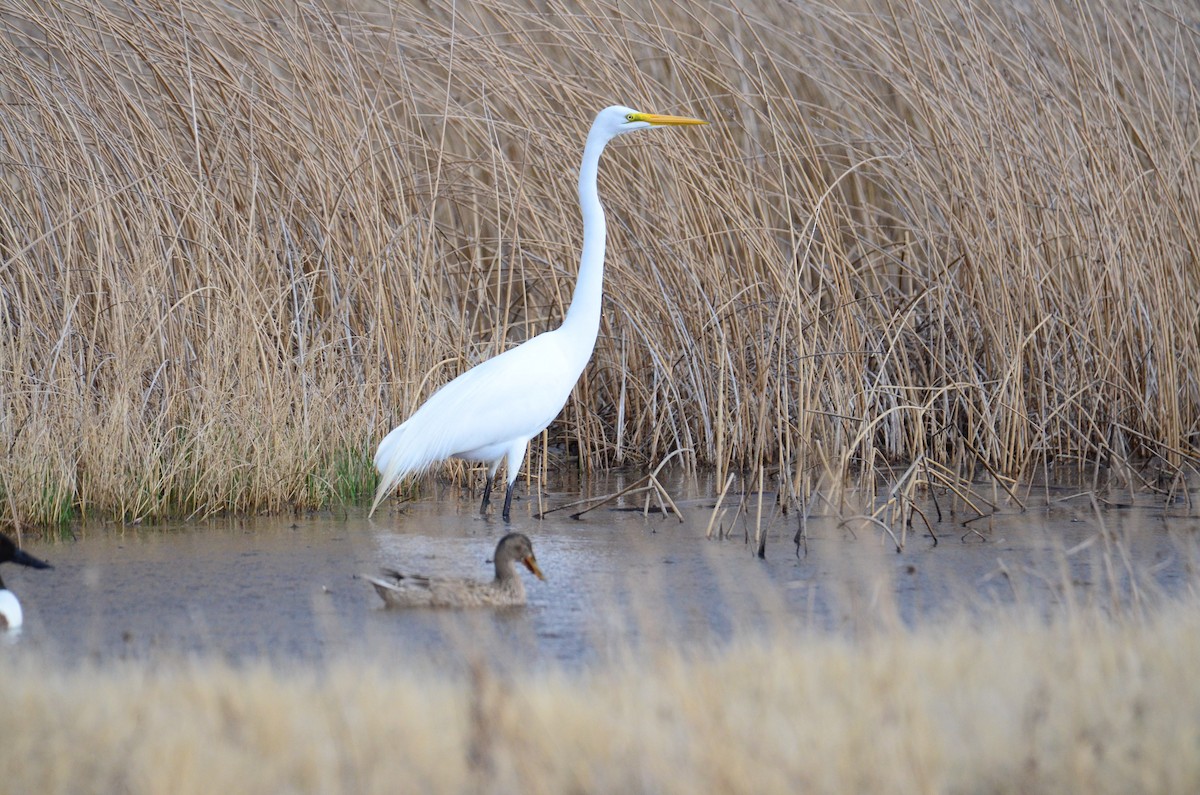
[(287, 588)]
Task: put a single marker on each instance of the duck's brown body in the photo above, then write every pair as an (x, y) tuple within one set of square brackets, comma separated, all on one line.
[(506, 590)]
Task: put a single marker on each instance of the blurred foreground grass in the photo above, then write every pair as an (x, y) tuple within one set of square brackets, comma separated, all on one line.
[(1083, 703)]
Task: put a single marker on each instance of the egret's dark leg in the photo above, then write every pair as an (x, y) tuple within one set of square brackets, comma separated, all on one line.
[(508, 499), (487, 495)]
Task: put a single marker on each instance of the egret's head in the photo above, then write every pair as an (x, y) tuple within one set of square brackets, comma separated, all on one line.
[(618, 120)]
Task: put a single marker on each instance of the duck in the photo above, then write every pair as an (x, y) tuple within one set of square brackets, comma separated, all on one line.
[(11, 616), (506, 590)]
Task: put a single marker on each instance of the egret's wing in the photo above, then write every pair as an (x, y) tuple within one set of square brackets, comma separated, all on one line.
[(508, 397)]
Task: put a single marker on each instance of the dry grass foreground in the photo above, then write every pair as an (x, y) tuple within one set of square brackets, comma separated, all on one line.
[(239, 240), (1083, 704)]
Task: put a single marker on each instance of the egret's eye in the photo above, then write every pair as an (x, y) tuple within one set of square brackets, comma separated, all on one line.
[(630, 117)]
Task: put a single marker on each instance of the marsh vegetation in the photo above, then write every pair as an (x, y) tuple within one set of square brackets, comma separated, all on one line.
[(240, 240), (952, 710), (923, 245)]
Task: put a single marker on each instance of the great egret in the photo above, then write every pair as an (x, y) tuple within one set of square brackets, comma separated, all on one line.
[(491, 411), (506, 590), (11, 616)]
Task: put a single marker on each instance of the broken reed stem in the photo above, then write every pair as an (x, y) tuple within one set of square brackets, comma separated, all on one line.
[(717, 506), (760, 534), (655, 485)]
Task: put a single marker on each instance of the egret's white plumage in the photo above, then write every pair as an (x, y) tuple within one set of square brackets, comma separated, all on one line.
[(491, 411), (11, 615)]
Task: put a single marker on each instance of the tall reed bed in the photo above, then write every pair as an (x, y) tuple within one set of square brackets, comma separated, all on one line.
[(240, 240)]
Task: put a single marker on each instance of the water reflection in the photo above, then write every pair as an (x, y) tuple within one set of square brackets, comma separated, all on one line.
[(286, 588)]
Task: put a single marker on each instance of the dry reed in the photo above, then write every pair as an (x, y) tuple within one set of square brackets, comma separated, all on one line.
[(1081, 704), (239, 240)]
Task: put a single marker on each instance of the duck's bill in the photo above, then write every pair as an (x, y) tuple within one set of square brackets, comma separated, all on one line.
[(531, 564), (659, 120), (25, 559)]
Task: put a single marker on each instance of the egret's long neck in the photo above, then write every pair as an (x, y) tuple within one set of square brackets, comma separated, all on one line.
[(583, 316)]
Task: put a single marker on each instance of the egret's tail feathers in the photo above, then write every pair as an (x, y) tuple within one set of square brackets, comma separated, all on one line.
[(390, 465), (380, 494), (390, 475), (402, 452)]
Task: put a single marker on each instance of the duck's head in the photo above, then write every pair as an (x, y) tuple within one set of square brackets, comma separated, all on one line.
[(516, 547)]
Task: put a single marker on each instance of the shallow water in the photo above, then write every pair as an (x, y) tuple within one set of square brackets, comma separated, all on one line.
[(286, 588)]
